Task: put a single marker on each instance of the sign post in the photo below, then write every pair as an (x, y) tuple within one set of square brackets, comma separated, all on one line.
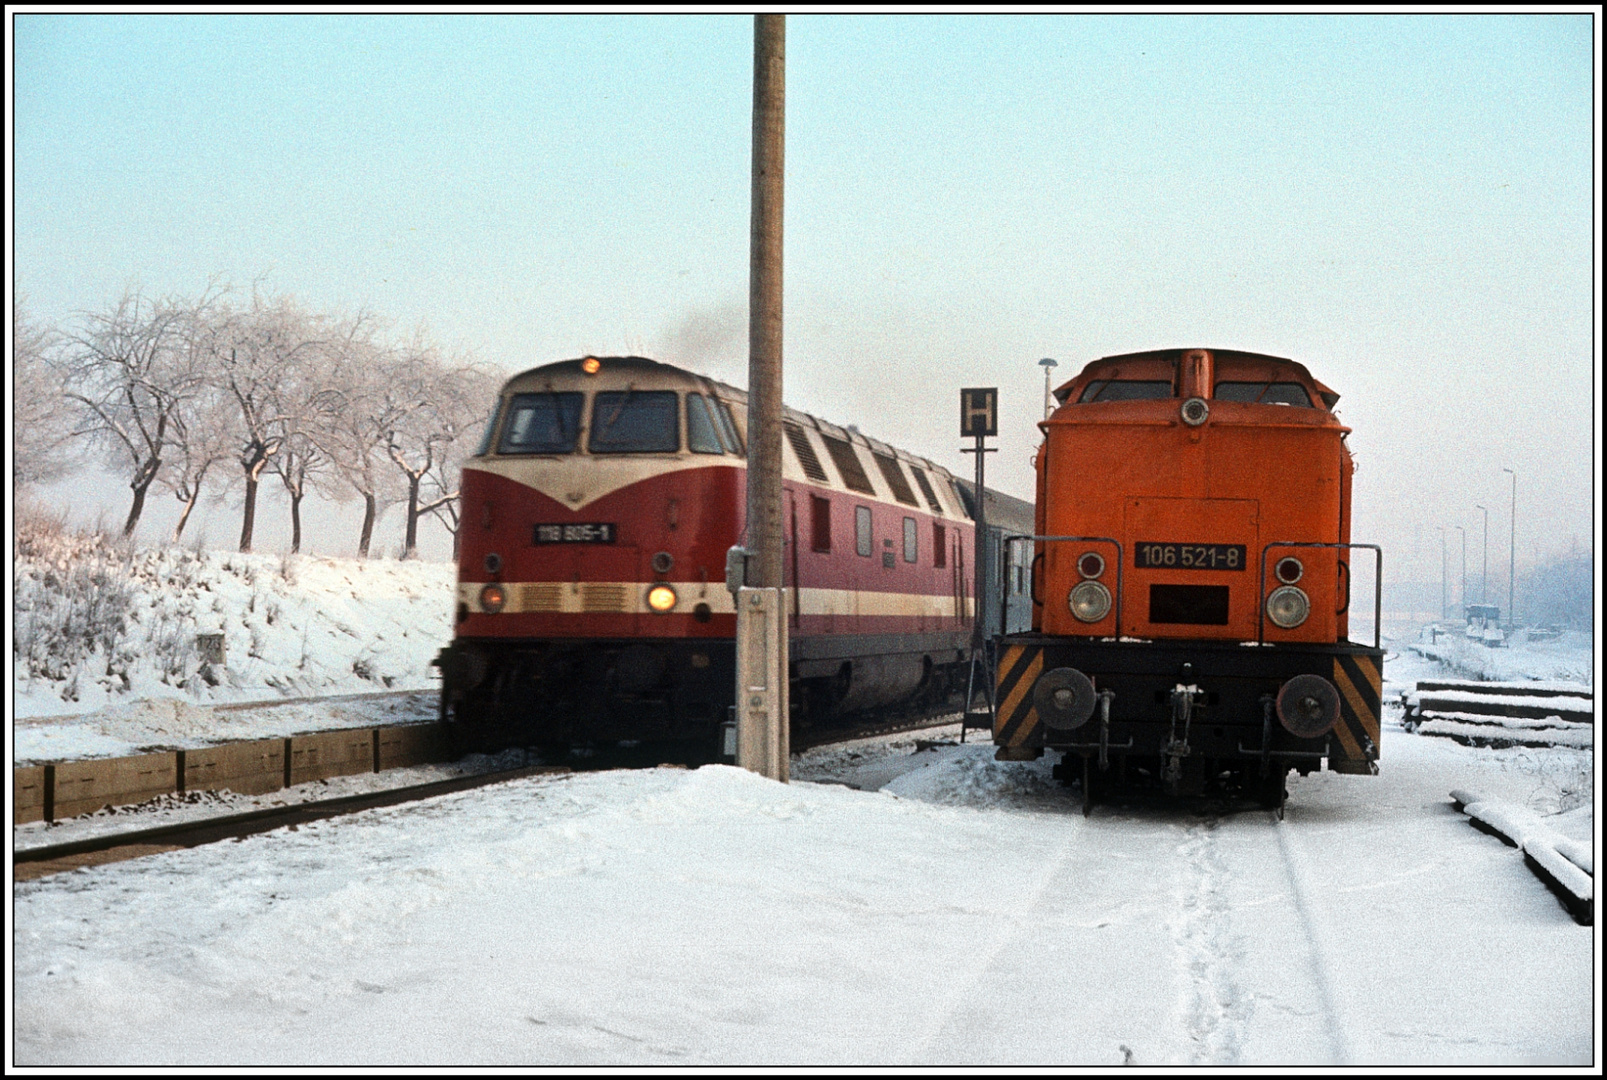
[(979, 419)]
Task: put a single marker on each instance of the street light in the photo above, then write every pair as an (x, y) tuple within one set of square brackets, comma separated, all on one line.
[(1048, 399), (1444, 575), (1512, 554), (1464, 594), (1484, 579)]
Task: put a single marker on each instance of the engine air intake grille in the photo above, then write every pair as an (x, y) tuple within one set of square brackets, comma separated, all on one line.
[(848, 464), (926, 490), (602, 597), (895, 479), (806, 453), (542, 596)]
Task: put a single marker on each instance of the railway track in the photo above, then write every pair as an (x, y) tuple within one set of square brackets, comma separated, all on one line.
[(32, 862), (40, 860), (1502, 715)]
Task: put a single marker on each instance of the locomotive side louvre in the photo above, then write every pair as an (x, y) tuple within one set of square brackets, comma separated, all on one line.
[(1191, 579), (591, 597)]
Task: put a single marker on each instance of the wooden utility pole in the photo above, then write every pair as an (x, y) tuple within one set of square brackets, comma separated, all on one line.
[(761, 645)]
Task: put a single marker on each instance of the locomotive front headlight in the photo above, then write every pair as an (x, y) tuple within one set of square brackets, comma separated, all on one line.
[(661, 598), (1289, 570), (1089, 601), (591, 365), (1090, 564), (1288, 607), (492, 597)]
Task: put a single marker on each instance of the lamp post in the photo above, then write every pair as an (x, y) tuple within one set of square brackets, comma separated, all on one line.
[(1484, 578), (1512, 555), (1048, 398), (1464, 592), (1445, 582)]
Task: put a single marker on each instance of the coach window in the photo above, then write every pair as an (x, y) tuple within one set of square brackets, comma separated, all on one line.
[(635, 422), (940, 546), (862, 530), (1266, 393), (542, 424), (1126, 390), (912, 547), (702, 437), (820, 523)]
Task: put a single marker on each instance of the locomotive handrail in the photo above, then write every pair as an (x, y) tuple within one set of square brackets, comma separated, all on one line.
[(1012, 538), (1378, 584)]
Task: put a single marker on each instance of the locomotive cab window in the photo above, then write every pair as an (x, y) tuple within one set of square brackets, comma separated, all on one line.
[(542, 424), (728, 427), (635, 422), (702, 434), (1265, 393), (1126, 390)]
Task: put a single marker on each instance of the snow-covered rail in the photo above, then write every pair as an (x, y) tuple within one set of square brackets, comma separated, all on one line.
[(1501, 715), (1567, 866), (36, 861)]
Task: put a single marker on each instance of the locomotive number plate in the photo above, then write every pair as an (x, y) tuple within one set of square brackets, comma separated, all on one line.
[(592, 533), (1148, 555)]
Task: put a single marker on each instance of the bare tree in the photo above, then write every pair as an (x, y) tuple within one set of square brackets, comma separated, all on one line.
[(129, 370), (256, 354), (424, 416), (442, 484), (353, 419), (40, 418), (201, 436)]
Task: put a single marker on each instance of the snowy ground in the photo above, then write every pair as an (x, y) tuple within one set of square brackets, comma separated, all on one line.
[(892, 906)]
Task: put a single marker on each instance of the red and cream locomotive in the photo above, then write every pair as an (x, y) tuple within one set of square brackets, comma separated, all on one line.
[(597, 514), (1191, 582)]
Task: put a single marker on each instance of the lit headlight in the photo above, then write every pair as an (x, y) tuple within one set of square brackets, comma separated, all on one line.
[(661, 598), (1090, 601), (1288, 607), (492, 597)]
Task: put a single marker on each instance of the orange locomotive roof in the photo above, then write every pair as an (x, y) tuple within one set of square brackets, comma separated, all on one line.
[(1159, 364)]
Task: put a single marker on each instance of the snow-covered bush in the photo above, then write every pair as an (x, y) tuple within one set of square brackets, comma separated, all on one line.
[(71, 602), (98, 621)]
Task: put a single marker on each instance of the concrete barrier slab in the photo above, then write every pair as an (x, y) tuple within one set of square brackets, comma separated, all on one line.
[(82, 787), (331, 753), (27, 794), (410, 744), (249, 768)]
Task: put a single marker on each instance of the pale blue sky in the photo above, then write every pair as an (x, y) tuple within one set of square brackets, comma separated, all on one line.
[(1401, 202)]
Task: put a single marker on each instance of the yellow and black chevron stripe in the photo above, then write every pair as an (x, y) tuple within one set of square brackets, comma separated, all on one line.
[(1360, 680), (1016, 722)]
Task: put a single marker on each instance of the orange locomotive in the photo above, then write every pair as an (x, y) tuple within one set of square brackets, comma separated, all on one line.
[(1191, 582)]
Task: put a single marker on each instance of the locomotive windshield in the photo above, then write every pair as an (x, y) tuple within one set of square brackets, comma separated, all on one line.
[(542, 424), (635, 422), (1127, 390), (1267, 393), (702, 434)]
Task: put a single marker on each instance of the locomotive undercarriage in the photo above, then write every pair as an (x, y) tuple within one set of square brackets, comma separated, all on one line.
[(671, 694), (1185, 718)]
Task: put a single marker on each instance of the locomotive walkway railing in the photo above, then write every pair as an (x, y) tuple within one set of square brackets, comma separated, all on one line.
[(1038, 558), (1378, 583)]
